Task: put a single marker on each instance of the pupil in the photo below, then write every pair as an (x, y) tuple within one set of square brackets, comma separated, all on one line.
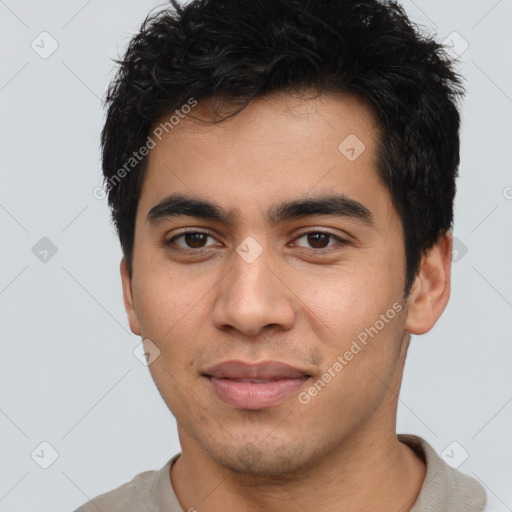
[(315, 240), (194, 239)]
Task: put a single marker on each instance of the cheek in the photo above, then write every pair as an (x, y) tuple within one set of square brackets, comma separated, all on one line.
[(167, 299), (357, 315), (349, 299)]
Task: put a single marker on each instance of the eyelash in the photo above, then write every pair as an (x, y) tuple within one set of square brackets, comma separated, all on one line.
[(340, 241)]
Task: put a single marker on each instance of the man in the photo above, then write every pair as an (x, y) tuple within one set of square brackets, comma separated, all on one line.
[(281, 174)]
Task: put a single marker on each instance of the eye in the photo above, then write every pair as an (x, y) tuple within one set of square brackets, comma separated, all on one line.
[(320, 240), (195, 241), (190, 240)]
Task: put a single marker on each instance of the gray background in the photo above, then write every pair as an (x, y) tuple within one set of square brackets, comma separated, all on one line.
[(68, 375)]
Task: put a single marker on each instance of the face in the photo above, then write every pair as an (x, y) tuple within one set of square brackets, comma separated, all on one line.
[(291, 253)]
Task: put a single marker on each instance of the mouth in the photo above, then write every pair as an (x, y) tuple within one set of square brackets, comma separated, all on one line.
[(255, 386)]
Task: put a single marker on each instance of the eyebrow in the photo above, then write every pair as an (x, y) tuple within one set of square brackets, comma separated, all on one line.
[(337, 205)]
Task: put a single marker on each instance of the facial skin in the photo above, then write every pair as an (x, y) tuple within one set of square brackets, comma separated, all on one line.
[(302, 301)]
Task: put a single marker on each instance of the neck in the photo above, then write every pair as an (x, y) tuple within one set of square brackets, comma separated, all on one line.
[(364, 474)]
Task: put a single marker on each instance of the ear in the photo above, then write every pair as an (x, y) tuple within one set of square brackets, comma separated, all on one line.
[(431, 289), (128, 298)]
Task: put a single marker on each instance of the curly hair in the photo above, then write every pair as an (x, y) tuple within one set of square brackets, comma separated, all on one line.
[(243, 49)]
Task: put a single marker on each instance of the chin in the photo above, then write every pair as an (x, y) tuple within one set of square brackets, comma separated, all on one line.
[(261, 459)]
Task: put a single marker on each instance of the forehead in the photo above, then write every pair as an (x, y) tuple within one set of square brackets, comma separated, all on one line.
[(278, 148)]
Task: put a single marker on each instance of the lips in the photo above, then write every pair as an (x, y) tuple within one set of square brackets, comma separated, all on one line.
[(265, 370), (255, 386)]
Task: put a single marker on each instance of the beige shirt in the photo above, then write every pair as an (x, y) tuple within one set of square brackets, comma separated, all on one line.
[(444, 489)]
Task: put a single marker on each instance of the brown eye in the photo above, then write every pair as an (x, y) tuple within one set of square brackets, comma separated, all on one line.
[(195, 240), (190, 240), (320, 240)]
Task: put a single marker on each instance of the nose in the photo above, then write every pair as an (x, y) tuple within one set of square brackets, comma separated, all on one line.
[(254, 295)]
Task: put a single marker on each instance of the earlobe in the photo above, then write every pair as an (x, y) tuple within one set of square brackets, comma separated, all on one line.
[(128, 298), (431, 289)]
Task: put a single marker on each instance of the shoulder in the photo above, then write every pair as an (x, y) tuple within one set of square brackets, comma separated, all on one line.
[(444, 487), (130, 496)]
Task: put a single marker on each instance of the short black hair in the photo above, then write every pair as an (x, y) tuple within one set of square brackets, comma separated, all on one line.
[(244, 49)]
